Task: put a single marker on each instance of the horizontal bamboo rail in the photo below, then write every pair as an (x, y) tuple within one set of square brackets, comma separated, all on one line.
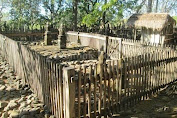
[(44, 76), (117, 87), (94, 90)]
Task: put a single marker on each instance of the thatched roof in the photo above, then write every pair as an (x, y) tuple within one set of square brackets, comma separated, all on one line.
[(150, 20)]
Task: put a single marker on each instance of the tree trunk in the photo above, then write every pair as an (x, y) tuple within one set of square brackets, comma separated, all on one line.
[(75, 3), (149, 10), (141, 5), (157, 4), (52, 13), (104, 18)]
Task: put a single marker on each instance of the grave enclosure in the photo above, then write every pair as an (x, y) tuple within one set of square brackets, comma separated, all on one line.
[(132, 72)]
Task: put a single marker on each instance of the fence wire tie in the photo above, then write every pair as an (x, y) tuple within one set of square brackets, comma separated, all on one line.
[(46, 95), (73, 79)]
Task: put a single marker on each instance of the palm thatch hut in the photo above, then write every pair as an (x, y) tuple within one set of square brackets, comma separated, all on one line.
[(155, 27)]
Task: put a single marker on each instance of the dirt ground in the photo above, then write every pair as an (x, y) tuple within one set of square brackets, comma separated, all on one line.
[(16, 99), (161, 105)]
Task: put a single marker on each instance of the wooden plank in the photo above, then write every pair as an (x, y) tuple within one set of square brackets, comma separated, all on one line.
[(136, 79), (155, 69), (146, 76), (163, 73), (117, 83), (113, 87), (133, 82), (43, 78), (120, 80), (85, 79), (49, 83), (57, 92), (100, 90), (55, 89), (125, 80), (79, 92), (128, 82), (158, 58), (168, 68), (161, 67), (172, 63), (95, 88), (141, 77), (120, 49), (152, 70), (46, 85), (148, 73), (105, 90), (89, 93), (109, 86), (52, 86), (69, 94), (61, 90)]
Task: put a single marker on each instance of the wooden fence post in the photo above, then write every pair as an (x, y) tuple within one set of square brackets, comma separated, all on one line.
[(106, 39), (78, 38), (120, 48), (69, 92)]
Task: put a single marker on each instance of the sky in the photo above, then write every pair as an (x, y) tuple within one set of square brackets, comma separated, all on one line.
[(7, 9)]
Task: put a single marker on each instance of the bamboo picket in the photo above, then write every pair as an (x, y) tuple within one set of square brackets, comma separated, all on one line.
[(143, 76), (44, 76), (120, 83)]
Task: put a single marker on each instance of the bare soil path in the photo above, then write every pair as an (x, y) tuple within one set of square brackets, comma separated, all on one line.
[(161, 105), (17, 100)]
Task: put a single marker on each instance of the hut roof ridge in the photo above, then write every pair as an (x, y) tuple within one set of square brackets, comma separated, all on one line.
[(150, 20)]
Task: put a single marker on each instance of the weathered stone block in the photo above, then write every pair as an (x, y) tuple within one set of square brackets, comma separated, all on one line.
[(48, 38), (61, 38)]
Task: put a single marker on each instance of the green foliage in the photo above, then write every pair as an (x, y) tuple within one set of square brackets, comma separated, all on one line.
[(24, 12), (93, 17), (27, 13), (114, 10), (175, 18)]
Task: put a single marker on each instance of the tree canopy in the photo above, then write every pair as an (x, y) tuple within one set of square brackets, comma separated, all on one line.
[(77, 13)]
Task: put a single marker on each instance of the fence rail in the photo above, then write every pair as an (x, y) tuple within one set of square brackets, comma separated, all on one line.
[(114, 47), (43, 75), (116, 87), (129, 48), (94, 90)]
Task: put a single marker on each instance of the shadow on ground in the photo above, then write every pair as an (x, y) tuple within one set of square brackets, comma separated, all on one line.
[(161, 105)]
